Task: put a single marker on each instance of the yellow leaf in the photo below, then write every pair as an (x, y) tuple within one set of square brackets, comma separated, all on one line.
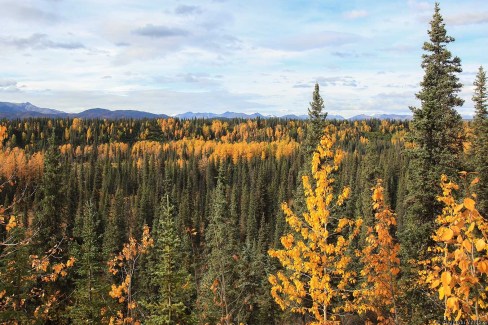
[(480, 244), (467, 245), (446, 234), (70, 262), (12, 223), (377, 194), (435, 284), (455, 229), (469, 204), (446, 278), (452, 303), (483, 267)]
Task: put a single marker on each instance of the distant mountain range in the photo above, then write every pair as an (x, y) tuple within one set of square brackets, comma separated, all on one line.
[(27, 110)]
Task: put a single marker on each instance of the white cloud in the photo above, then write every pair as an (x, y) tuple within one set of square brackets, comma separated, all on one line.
[(40, 41), (188, 10), (17, 11), (355, 14), (472, 18), (317, 40), (9, 86)]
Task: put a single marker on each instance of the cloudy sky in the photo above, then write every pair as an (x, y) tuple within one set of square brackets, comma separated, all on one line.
[(216, 55)]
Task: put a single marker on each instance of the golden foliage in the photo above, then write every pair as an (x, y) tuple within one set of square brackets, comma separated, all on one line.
[(458, 271), (379, 291), (3, 134), (316, 266), (125, 264), (15, 163), (215, 150)]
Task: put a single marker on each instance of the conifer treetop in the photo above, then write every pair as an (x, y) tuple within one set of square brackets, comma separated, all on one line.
[(480, 97)]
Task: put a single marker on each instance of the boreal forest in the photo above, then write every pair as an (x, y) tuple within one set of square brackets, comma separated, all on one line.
[(258, 221)]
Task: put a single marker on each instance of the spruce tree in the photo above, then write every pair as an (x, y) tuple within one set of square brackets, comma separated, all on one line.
[(480, 141), (88, 294), (436, 149), (218, 301), (48, 222), (171, 282), (434, 133), (316, 125), (116, 228), (315, 131)]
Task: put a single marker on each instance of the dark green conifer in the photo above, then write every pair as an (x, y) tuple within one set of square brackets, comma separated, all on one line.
[(315, 131), (88, 294), (316, 125), (171, 282), (436, 149), (218, 300), (116, 228), (480, 141), (48, 221)]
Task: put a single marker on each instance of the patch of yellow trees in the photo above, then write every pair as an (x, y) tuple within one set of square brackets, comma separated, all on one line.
[(325, 275)]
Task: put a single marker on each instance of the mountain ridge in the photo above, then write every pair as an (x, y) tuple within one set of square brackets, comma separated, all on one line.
[(27, 110)]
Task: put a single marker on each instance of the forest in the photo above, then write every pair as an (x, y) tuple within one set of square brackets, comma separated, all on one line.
[(259, 221)]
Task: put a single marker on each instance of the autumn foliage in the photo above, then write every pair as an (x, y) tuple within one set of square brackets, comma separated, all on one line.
[(125, 265), (379, 291), (316, 275), (458, 272)]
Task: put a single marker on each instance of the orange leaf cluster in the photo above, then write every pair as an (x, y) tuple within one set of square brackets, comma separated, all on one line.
[(125, 264), (458, 272), (15, 163), (381, 265)]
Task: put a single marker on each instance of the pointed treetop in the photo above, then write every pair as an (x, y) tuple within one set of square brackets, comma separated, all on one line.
[(480, 97), (317, 105), (437, 32)]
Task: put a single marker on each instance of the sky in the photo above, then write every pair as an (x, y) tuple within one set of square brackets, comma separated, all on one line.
[(248, 56)]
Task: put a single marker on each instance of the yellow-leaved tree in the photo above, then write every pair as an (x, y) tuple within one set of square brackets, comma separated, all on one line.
[(125, 265), (458, 271), (379, 290), (317, 276)]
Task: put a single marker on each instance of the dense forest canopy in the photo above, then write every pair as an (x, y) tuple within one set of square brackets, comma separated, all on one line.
[(259, 221)]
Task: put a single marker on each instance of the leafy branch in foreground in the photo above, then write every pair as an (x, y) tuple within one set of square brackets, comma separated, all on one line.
[(458, 270)]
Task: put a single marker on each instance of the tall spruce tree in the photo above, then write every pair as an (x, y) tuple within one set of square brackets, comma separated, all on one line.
[(435, 134), (48, 222), (115, 229), (436, 149), (88, 295), (316, 125), (315, 131), (168, 277), (218, 301), (480, 141)]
